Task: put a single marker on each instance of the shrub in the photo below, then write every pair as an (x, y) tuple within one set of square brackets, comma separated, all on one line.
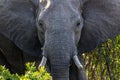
[(103, 63), (31, 74)]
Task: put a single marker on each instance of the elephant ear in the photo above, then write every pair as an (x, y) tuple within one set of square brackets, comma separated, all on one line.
[(101, 22), (17, 23)]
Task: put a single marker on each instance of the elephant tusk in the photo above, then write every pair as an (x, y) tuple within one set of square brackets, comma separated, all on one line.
[(77, 62), (43, 62)]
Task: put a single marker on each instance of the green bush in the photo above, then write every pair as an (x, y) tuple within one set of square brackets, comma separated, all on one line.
[(31, 74), (103, 63)]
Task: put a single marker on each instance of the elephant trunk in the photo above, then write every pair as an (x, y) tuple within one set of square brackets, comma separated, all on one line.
[(60, 72), (59, 49)]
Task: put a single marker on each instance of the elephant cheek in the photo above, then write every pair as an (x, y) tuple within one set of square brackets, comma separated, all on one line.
[(77, 37), (41, 37)]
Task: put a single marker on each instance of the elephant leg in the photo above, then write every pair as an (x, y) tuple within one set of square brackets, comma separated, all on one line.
[(11, 56), (82, 73)]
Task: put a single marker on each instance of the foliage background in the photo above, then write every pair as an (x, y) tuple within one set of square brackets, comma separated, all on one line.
[(31, 73), (103, 63)]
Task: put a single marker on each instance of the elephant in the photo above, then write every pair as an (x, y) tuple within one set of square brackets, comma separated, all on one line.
[(64, 29)]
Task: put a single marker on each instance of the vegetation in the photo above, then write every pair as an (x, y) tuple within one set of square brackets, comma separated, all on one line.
[(30, 74), (103, 63)]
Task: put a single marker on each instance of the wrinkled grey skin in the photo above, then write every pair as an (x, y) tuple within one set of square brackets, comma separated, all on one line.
[(61, 23), (65, 28), (18, 34)]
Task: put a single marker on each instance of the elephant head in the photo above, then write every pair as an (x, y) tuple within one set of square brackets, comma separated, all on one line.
[(59, 29), (68, 26)]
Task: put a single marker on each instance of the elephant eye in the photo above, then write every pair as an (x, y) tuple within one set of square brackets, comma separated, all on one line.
[(40, 24), (78, 24)]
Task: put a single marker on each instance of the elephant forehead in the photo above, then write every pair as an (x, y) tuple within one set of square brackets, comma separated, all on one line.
[(54, 3), (59, 10)]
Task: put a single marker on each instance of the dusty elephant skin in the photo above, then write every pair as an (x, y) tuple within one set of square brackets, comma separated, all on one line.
[(64, 28)]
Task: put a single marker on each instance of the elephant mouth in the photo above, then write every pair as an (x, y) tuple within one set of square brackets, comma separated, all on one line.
[(60, 71), (75, 59)]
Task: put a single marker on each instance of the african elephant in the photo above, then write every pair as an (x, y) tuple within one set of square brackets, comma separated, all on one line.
[(64, 28)]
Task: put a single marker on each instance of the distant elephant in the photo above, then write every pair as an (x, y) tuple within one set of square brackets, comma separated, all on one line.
[(65, 29)]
